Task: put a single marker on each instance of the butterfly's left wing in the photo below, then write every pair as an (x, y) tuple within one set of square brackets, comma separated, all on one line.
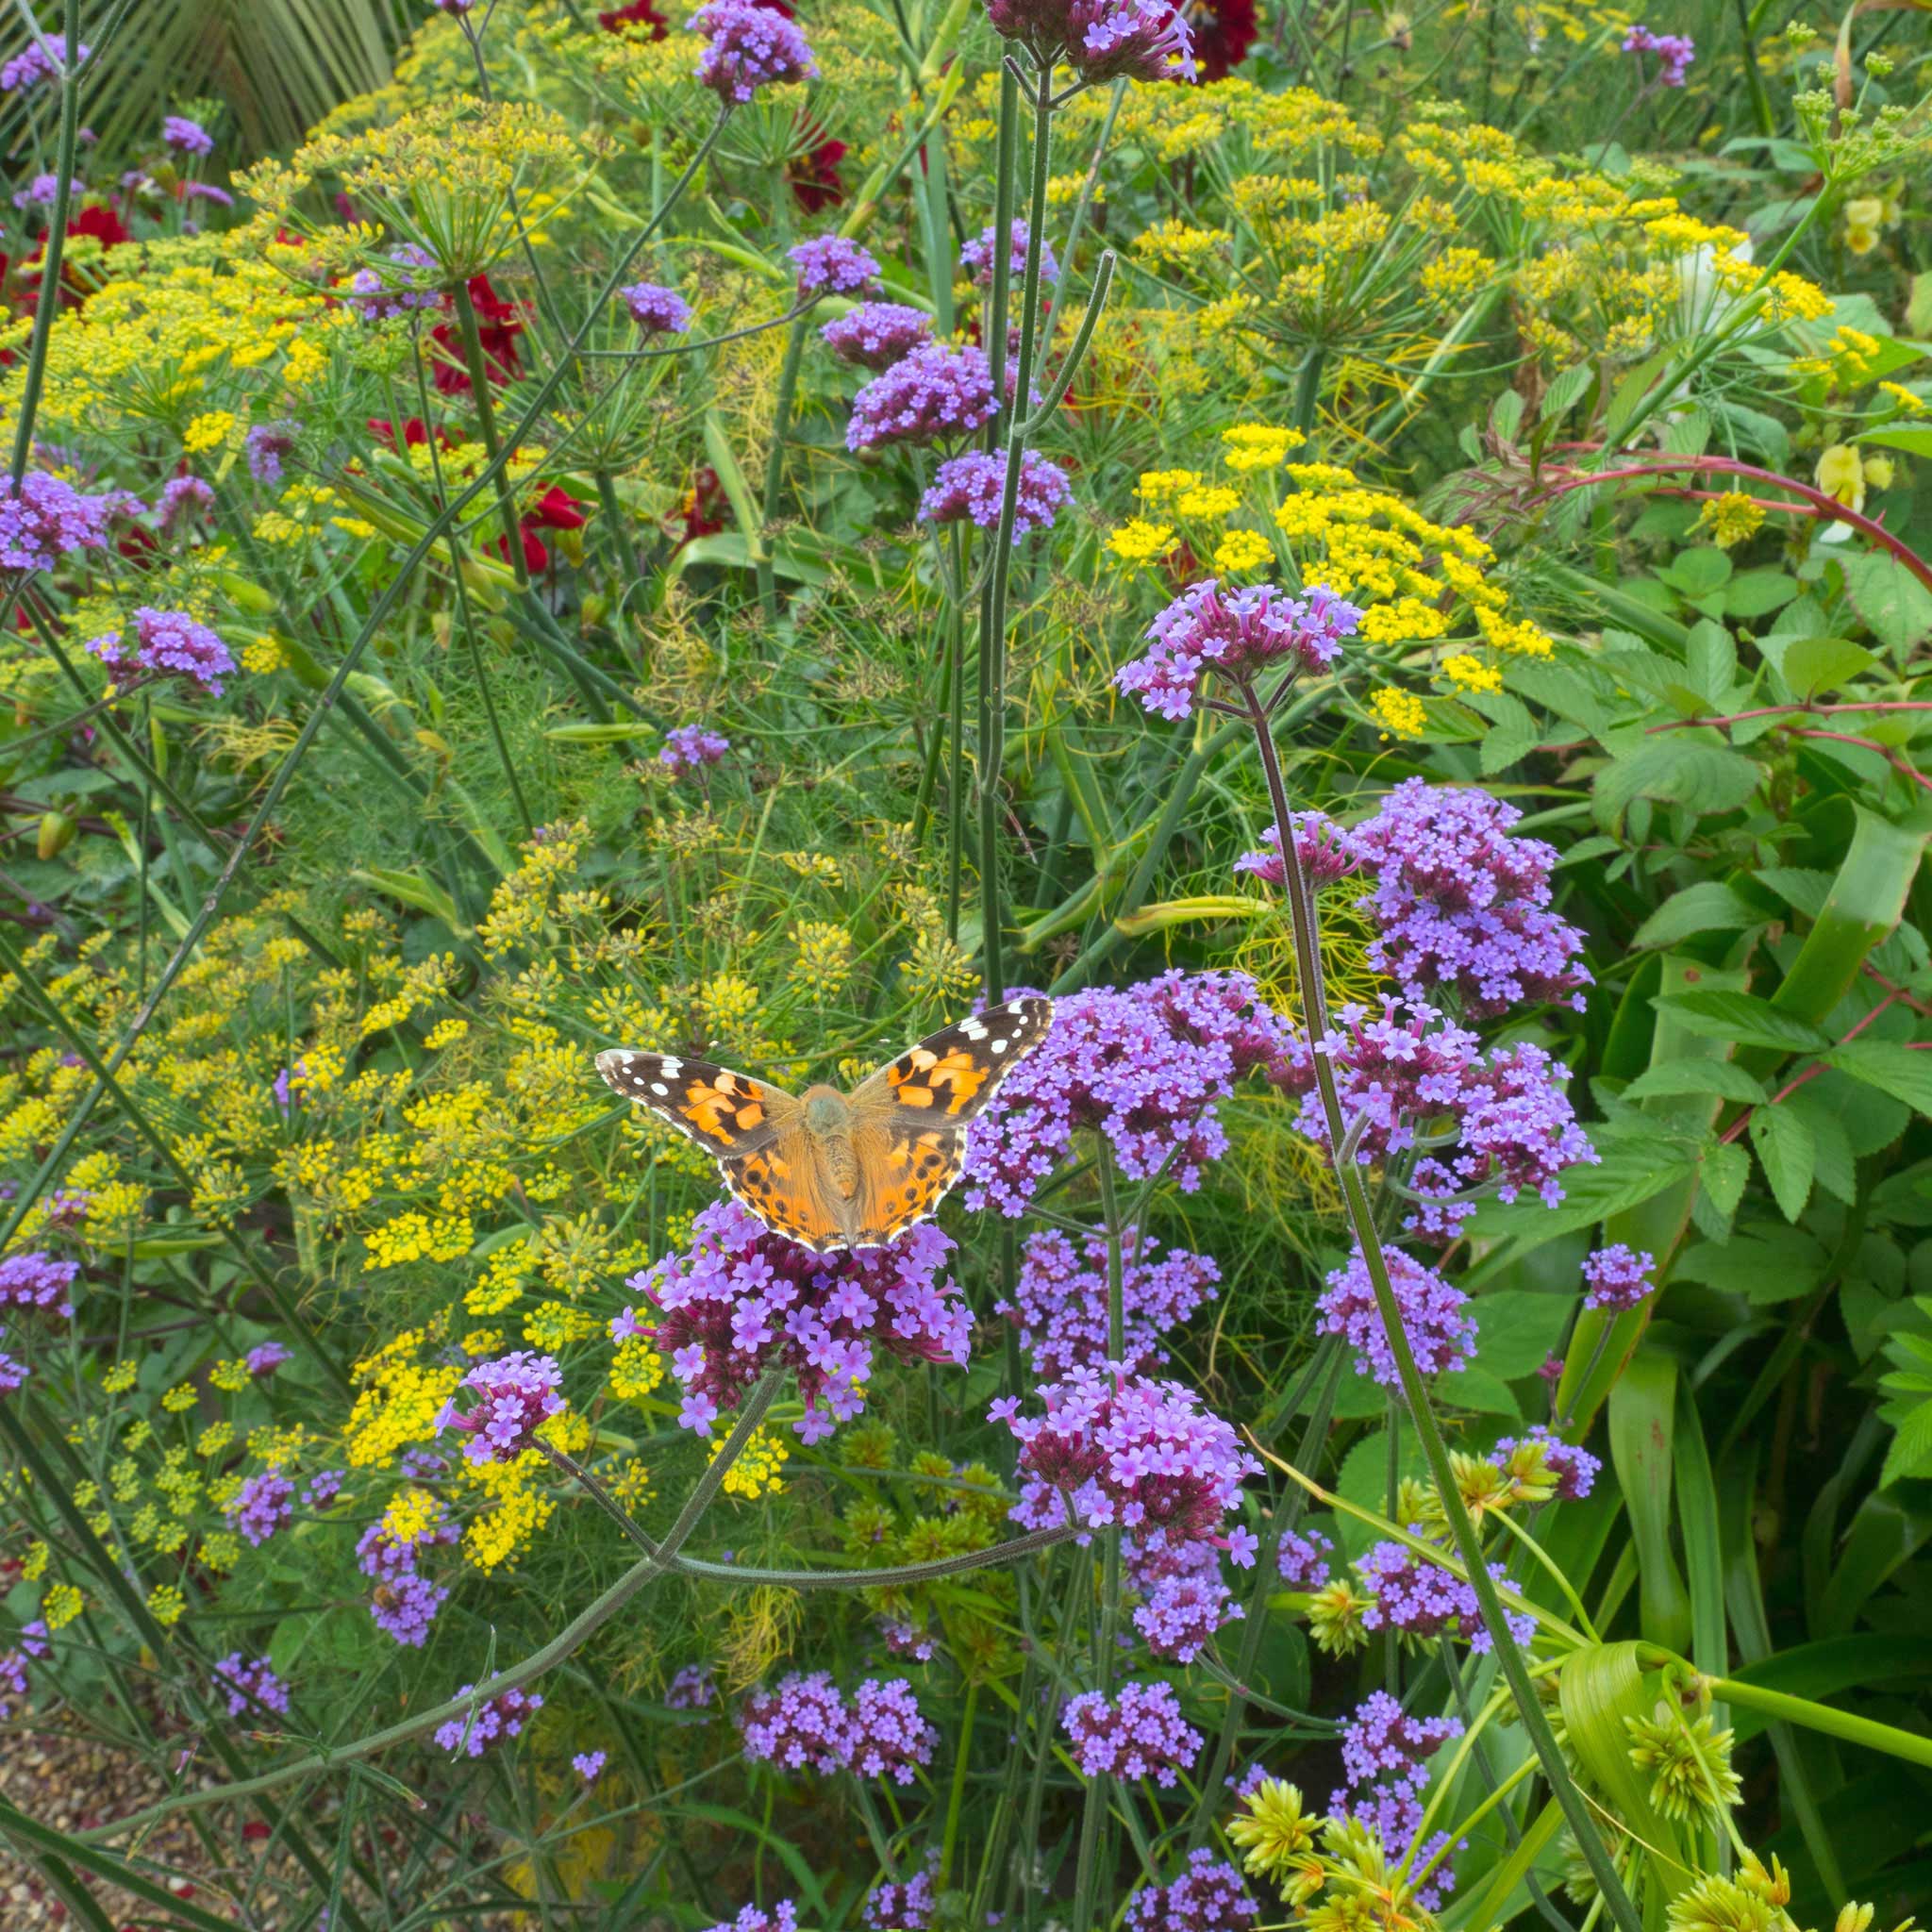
[(727, 1114), (909, 1119)]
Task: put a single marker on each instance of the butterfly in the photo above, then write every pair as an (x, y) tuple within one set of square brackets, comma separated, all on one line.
[(829, 1170)]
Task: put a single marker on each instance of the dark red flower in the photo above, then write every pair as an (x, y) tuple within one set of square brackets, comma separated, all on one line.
[(498, 325), (415, 431), (639, 13), (102, 222), (706, 507), (1224, 31), (556, 509), (815, 180)]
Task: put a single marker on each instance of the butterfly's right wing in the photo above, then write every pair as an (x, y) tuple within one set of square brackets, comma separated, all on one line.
[(755, 1133)]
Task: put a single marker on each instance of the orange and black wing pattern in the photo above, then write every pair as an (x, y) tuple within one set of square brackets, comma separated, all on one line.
[(726, 1113), (951, 1075)]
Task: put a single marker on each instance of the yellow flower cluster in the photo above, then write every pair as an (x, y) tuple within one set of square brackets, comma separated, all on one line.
[(759, 1468)]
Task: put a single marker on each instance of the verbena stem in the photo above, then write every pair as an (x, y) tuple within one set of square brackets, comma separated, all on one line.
[(1307, 955)]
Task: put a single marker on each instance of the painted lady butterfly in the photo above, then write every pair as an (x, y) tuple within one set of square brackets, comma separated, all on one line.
[(830, 1170)]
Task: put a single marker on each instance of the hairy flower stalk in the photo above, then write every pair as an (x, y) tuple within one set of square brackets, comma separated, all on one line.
[(1415, 1394)]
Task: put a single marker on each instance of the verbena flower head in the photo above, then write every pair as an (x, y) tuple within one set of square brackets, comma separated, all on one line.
[(404, 1606), (1235, 633), (1422, 1599), (1440, 1335), (1101, 40), (1461, 903), (1126, 1450), (1138, 1734), (783, 1917), (1141, 1065), (589, 1765), (1541, 1460), (877, 334), (968, 490), (1302, 1559), (1181, 1612), (1616, 1278), (1394, 1071), (1381, 1737), (934, 394), (1326, 850), (831, 265), (1059, 1300), (517, 1392), (45, 519), (980, 256), (250, 1687), (748, 46), (187, 137), (265, 1358), (803, 1725), (889, 1737), (13, 1374), (265, 445), (168, 643), (35, 1279), (1675, 53), (903, 1905), (743, 1300), (655, 309), (1208, 1896), (182, 498), (323, 1489), (503, 1717), (691, 1689), (261, 1506), (382, 295), (691, 747), (42, 59)]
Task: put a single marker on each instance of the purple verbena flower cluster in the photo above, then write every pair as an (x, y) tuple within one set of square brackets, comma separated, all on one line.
[(1184, 1601), (378, 297), (980, 256), (1383, 1753), (324, 1486), (404, 1602), (969, 489), (743, 1300), (265, 1358), (1102, 39), (655, 309), (1572, 1469), (182, 498), (45, 519), (1440, 1334), (1302, 1559), (1618, 1277), (13, 1373), (1208, 1896), (249, 1685), (263, 1504), (1059, 1300), (689, 748), (1675, 53), (589, 1765), (831, 265), (877, 334), (1327, 852), (1140, 1065), (1459, 903), (475, 1731), (1138, 1734), (783, 1917), (41, 59), (904, 1905), (1422, 1599), (1235, 633), (806, 1724), (519, 1393), (933, 395), (1380, 1736), (1131, 1450), (691, 1689), (265, 445), (169, 643), (889, 1735), (747, 47), (186, 137), (34, 1279)]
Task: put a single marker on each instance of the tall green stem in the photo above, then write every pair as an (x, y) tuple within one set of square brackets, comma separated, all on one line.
[(774, 469), (486, 421), (1361, 1219)]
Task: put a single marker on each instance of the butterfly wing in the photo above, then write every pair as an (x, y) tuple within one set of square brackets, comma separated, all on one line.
[(755, 1133), (909, 1119)]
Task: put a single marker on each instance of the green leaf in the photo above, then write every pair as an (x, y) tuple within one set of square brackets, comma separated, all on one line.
[(1814, 665), (1820, 1671), (1475, 1387), (1798, 887), (1914, 442), (1676, 769), (1763, 1264), (1518, 1330), (1895, 606), (1891, 1068), (1757, 592), (1725, 1171), (1743, 1018), (1910, 1453), (1788, 1154), (1723, 1078), (1697, 572), (1709, 906)]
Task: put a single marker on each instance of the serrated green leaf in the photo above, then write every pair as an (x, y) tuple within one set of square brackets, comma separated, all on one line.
[(1788, 1154), (1676, 769), (1743, 1018), (1723, 1078), (1709, 906), (1893, 1069), (1724, 1170)]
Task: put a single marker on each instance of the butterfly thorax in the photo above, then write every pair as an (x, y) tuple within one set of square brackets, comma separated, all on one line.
[(828, 1121)]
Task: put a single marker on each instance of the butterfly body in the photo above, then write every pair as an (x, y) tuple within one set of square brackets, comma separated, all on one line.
[(834, 1170)]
